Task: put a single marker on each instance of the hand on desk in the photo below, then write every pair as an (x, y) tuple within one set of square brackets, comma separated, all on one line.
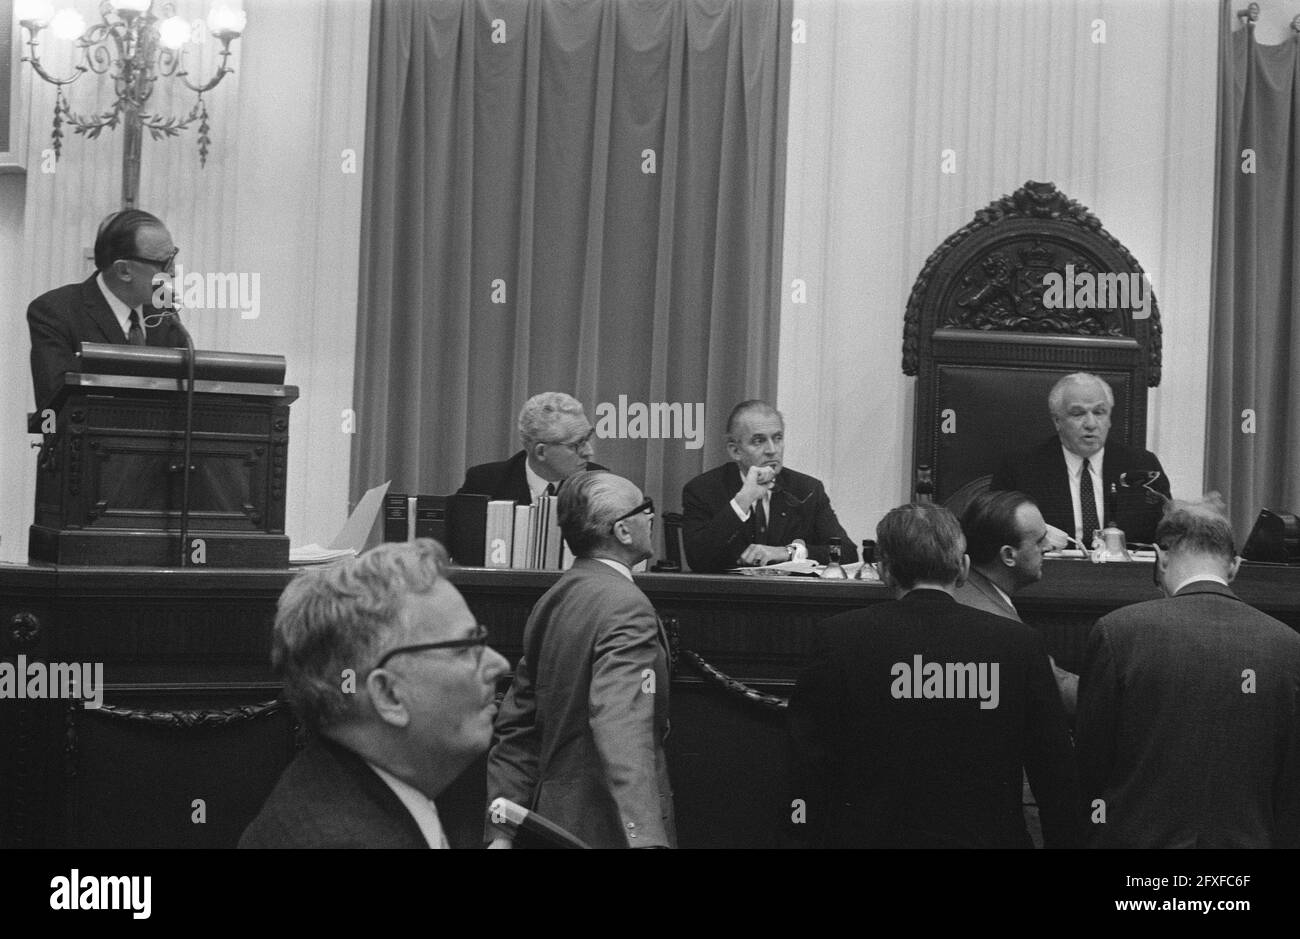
[(757, 555)]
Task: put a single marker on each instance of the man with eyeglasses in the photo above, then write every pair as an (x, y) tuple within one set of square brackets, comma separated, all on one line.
[(115, 304), (580, 736), (386, 665), (558, 442)]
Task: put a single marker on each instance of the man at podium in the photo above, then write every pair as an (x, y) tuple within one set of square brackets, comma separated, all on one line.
[(115, 304)]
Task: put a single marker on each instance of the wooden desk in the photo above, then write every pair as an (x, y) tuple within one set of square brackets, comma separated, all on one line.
[(191, 722)]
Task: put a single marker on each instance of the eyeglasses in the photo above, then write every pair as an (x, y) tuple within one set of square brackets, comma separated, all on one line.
[(477, 642), (648, 507), (161, 263), (577, 446)]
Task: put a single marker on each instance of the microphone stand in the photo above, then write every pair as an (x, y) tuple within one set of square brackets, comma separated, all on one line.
[(174, 314)]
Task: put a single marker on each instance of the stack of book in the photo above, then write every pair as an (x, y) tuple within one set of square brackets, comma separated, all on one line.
[(482, 532)]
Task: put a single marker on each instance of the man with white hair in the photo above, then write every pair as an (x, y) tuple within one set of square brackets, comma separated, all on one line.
[(1188, 731), (384, 662), (558, 442), (1078, 480)]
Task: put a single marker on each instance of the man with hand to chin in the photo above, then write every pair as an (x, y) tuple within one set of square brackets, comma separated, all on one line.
[(755, 511)]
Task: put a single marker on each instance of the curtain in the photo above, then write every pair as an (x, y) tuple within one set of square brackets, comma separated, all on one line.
[(1112, 101), (566, 196), (1253, 444)]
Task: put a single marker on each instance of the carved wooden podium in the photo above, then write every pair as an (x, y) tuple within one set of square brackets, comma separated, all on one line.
[(109, 480)]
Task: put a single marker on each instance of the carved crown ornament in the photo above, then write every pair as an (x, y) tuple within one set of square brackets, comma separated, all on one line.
[(1035, 261)]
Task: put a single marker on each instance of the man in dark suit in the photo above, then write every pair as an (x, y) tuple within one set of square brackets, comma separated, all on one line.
[(1079, 481), (1189, 734), (558, 442), (384, 662), (580, 736), (755, 510), (915, 719), (1005, 540), (116, 304)]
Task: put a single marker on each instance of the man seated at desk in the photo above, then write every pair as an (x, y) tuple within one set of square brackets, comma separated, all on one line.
[(558, 442), (1116, 475), (755, 510), (115, 304)]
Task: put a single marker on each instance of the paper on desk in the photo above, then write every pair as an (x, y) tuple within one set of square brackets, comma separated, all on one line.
[(805, 566), (315, 554)]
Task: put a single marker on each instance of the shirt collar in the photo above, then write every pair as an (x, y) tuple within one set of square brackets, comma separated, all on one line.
[(617, 565), (418, 804), (1074, 462), (120, 309), (1195, 577), (536, 484)]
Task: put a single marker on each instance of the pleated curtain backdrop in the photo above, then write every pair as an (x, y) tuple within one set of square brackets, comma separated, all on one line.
[(582, 197), (1253, 440)]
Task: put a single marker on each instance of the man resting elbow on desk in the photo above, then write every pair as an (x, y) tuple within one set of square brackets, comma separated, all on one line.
[(754, 511)]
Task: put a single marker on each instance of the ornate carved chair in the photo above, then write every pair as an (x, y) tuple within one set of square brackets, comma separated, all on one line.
[(986, 348)]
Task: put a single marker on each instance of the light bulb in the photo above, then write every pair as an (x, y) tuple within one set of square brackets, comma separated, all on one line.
[(174, 32), (226, 22), (68, 24), (35, 14)]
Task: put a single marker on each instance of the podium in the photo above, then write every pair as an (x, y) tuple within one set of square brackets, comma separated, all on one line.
[(109, 484)]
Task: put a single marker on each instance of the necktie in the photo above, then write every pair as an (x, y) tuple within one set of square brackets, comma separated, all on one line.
[(135, 336), (760, 522), (550, 489), (1088, 502)]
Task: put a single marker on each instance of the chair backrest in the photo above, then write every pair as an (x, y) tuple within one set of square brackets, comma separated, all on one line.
[(1031, 289)]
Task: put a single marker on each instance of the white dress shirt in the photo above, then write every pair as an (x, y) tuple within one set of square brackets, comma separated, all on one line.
[(800, 549), (621, 568), (120, 309), (418, 804), (1074, 468), (536, 485)]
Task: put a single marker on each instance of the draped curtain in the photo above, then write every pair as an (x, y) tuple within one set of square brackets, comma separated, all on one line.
[(571, 196), (1253, 444)]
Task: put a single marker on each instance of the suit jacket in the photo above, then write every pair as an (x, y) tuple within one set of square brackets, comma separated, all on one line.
[(503, 480), (715, 537), (880, 771), (330, 798), (1172, 738), (1040, 473), (981, 593), (580, 735), (66, 316)]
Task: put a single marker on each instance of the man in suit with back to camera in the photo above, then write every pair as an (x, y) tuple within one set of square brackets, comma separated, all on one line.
[(580, 736), (1078, 479), (1189, 735), (115, 304), (755, 510), (915, 720), (384, 662), (1005, 540), (558, 442)]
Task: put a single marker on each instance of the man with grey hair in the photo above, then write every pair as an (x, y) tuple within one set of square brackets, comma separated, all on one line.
[(1081, 482), (754, 510), (580, 736), (386, 665), (1188, 731), (558, 442), (915, 719)]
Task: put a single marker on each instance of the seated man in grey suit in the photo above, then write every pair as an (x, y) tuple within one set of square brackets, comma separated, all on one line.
[(558, 442), (580, 736), (1189, 735), (1005, 539), (383, 660), (1079, 480), (754, 510), (915, 720)]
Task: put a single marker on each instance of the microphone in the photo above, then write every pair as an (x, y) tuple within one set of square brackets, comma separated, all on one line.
[(505, 812), (1143, 479)]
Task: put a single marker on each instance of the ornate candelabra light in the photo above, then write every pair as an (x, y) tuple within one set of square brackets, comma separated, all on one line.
[(137, 48)]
